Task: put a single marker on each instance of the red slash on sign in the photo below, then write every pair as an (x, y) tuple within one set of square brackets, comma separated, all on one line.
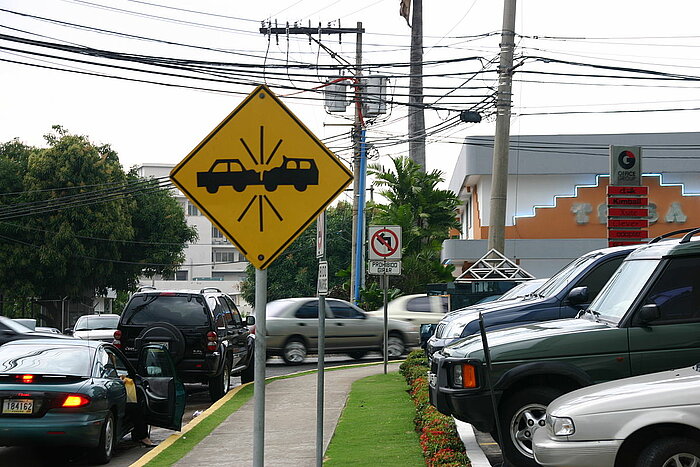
[(385, 242)]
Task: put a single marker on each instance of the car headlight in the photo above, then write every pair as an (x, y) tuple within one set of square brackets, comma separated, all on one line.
[(561, 426), (464, 375)]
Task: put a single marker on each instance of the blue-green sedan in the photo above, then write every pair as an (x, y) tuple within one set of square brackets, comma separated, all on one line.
[(71, 392)]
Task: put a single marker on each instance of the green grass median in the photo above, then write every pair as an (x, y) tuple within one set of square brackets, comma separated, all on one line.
[(376, 426)]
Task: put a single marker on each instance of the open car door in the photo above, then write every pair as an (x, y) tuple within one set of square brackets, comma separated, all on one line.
[(164, 392)]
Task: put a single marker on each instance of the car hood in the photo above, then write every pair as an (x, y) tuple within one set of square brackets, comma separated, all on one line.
[(465, 316), (655, 390), (483, 308), (96, 334), (545, 339)]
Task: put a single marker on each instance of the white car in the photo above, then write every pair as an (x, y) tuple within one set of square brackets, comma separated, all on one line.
[(417, 308), (644, 421), (96, 327)]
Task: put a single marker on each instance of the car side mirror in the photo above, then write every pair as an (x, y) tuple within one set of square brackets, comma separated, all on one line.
[(426, 331), (578, 295), (68, 331), (250, 320), (648, 313)]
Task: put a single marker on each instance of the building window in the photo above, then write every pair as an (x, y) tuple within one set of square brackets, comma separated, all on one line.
[(223, 256), (217, 236), (181, 276), (192, 210)]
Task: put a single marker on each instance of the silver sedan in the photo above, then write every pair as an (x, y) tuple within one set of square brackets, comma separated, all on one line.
[(292, 330), (648, 420)]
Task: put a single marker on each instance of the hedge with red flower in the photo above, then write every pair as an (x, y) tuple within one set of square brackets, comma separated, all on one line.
[(439, 439)]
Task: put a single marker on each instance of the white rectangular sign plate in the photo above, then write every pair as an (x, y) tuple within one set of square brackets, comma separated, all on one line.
[(390, 268)]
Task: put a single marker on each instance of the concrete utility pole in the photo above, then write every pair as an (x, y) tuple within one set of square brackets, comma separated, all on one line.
[(358, 183), (416, 118), (499, 177)]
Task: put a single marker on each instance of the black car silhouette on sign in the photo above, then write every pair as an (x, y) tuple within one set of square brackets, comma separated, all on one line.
[(293, 171), (227, 172)]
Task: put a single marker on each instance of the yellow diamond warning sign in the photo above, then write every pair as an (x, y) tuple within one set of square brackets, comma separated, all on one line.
[(261, 177)]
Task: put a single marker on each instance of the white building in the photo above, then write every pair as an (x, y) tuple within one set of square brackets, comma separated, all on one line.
[(212, 261)]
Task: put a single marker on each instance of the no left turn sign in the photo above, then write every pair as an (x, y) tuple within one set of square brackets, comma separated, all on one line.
[(384, 242)]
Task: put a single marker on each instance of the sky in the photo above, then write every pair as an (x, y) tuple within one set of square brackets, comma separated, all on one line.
[(611, 67)]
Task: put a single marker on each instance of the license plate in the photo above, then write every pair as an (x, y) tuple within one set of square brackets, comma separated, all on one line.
[(19, 406), (432, 379), (164, 344)]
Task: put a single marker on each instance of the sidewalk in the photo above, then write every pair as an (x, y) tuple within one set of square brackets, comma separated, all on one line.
[(290, 424)]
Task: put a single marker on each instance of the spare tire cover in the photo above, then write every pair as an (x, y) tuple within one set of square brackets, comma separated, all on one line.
[(163, 333)]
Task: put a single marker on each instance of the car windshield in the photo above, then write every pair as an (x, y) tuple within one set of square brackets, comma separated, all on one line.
[(13, 325), (624, 286), (176, 309), (557, 282), (33, 359), (91, 323)]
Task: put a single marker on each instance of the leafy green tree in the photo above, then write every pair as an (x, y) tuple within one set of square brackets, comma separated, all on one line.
[(425, 213), (294, 272), (72, 223)]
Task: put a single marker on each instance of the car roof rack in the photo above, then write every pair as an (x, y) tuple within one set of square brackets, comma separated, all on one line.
[(675, 232), (686, 238), (146, 287), (213, 289)]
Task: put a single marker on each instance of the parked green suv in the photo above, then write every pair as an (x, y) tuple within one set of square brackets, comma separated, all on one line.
[(646, 319)]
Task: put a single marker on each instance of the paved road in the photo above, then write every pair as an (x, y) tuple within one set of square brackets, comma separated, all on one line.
[(127, 452)]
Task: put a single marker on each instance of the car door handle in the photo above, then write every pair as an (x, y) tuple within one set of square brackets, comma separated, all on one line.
[(340, 324), (301, 324)]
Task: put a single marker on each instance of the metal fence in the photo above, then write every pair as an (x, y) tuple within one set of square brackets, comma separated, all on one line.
[(59, 314)]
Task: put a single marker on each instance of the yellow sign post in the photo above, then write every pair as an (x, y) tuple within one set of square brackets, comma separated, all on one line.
[(261, 177)]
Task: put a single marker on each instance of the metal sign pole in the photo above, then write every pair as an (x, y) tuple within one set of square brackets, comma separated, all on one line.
[(320, 383), (386, 324), (260, 352)]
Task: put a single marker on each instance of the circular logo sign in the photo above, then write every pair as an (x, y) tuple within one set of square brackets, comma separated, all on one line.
[(626, 159)]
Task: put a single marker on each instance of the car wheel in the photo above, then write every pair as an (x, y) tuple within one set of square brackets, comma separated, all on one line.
[(220, 384), (395, 347), (520, 416), (294, 352), (270, 187), (248, 375), (239, 188), (212, 189), (102, 454), (670, 452), (357, 355), (300, 187)]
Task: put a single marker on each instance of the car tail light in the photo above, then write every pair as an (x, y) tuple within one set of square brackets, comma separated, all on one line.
[(211, 341), (25, 378), (117, 339), (464, 375), (75, 400)]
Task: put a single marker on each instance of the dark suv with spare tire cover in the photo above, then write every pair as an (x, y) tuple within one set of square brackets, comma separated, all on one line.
[(203, 329)]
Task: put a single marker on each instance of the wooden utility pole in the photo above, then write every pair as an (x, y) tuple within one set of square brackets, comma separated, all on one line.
[(499, 176), (416, 118)]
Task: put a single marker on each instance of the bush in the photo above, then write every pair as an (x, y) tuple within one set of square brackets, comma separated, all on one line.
[(439, 439)]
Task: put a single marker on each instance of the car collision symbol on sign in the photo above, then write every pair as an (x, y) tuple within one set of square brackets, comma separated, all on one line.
[(261, 177)]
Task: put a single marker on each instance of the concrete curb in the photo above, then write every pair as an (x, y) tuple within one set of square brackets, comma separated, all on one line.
[(476, 455)]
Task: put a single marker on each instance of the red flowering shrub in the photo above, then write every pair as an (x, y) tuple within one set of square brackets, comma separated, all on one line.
[(439, 439)]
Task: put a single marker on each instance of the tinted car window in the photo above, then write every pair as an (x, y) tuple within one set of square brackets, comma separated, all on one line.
[(597, 278), (156, 363), (55, 360), (234, 311), (419, 304), (344, 311), (677, 292), (179, 310), (307, 311)]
